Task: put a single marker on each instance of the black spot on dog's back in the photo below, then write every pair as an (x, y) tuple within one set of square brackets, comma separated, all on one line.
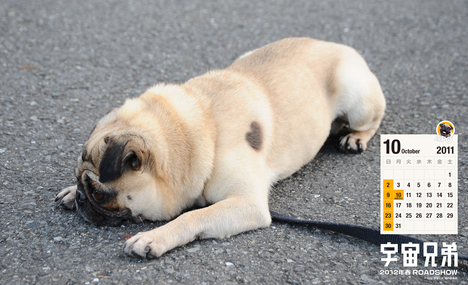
[(111, 166), (255, 137)]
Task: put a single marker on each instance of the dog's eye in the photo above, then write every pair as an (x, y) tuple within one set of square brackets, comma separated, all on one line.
[(98, 196)]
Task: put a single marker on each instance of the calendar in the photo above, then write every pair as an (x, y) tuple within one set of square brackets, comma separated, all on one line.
[(419, 184)]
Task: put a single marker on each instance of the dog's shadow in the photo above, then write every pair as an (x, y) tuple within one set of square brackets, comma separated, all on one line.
[(315, 185), (329, 150)]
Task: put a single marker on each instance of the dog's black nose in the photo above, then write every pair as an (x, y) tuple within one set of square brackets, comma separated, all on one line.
[(80, 195)]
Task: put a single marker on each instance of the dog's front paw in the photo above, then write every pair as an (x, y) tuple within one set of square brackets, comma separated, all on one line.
[(66, 198), (146, 245), (351, 143)]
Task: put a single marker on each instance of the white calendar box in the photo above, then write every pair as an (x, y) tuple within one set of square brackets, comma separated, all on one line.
[(419, 184)]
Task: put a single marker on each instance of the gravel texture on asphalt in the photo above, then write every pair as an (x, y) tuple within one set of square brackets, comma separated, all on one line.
[(64, 64)]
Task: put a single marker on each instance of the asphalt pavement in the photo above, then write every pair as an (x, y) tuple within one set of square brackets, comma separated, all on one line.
[(64, 64)]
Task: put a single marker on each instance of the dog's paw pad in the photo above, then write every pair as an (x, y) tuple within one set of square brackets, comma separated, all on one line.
[(351, 144)]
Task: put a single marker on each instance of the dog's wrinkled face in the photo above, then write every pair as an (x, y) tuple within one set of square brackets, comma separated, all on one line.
[(99, 173), (117, 178)]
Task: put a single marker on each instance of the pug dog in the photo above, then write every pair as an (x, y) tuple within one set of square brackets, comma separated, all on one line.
[(445, 130), (219, 141)]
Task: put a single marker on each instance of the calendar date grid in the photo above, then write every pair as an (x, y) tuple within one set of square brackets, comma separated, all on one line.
[(419, 187)]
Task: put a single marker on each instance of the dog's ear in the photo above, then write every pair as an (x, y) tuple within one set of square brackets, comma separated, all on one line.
[(121, 154)]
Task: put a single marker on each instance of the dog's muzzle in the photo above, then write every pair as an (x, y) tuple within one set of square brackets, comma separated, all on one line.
[(97, 215)]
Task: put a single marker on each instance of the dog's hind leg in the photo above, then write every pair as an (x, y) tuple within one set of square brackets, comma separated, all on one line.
[(359, 101)]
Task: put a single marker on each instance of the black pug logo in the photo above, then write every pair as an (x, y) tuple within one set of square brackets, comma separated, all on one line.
[(445, 129)]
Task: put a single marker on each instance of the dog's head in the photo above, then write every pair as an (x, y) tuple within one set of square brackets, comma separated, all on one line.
[(103, 174), (136, 165), (445, 130)]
